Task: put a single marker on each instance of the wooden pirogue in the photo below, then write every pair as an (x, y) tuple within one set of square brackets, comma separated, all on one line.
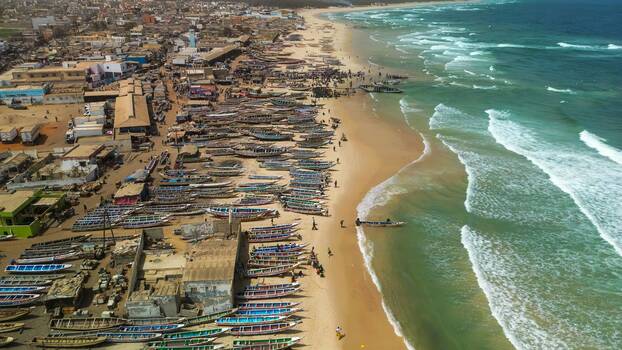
[(86, 324), (10, 327), (13, 314), (266, 344), (68, 342), (4, 341)]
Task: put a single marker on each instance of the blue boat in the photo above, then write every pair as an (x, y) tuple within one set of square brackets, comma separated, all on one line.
[(281, 248), (268, 312), (273, 305), (36, 268), (271, 286), (152, 328), (125, 337), (247, 321), (21, 289), (200, 333)]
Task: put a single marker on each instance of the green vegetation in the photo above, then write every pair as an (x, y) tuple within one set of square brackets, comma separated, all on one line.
[(8, 32)]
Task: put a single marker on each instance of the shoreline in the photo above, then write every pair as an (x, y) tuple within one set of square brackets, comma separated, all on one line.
[(385, 147)]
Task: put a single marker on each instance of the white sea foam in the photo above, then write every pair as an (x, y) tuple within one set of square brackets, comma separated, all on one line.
[(600, 145), (614, 47), (482, 87), (589, 47), (593, 182), (494, 271), (380, 195), (561, 91)]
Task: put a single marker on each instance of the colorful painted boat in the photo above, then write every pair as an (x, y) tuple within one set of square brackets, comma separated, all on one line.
[(161, 328), (266, 294), (154, 321), (48, 259), (266, 344), (10, 327), (201, 333), (272, 237), (281, 247), (22, 289), (273, 228), (86, 324), (129, 337), (10, 315), (209, 318), (68, 342), (181, 342), (248, 321), (277, 254), (267, 312), (12, 300), (265, 261), (262, 329), (61, 242), (274, 305), (37, 268), (199, 347), (272, 286), (271, 271)]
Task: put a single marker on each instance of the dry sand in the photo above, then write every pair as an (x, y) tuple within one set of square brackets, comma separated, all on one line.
[(376, 149)]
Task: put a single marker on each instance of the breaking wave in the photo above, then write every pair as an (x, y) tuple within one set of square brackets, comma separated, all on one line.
[(598, 143)]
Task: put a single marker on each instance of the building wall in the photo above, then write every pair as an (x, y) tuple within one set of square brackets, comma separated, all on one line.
[(26, 96), (209, 292), (63, 98)]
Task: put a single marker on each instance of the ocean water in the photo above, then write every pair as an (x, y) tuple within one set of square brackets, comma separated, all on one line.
[(514, 235)]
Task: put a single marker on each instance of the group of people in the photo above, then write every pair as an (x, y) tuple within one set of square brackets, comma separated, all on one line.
[(319, 269)]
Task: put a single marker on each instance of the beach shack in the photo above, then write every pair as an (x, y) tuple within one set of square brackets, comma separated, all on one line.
[(26, 213), (130, 193)]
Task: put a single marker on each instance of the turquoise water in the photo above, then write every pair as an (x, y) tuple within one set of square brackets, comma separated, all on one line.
[(515, 209)]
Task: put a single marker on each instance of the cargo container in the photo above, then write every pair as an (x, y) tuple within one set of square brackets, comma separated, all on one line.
[(30, 134), (8, 134)]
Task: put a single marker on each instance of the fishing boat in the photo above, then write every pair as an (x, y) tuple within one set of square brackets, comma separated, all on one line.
[(272, 237), (210, 184), (270, 328), (68, 342), (273, 228), (48, 259), (12, 300), (267, 312), (37, 268), (61, 242), (265, 261), (305, 154), (129, 337), (264, 177), (31, 279), (276, 254), (271, 136), (260, 151), (22, 289), (4, 341), (266, 294), (10, 315), (272, 286), (386, 223), (10, 327), (273, 305), (254, 200), (198, 347), (379, 88), (86, 324), (281, 248), (162, 328), (201, 333), (154, 321), (307, 210), (266, 344), (248, 321), (242, 213), (271, 271), (315, 164), (143, 221), (225, 172), (181, 342), (209, 318)]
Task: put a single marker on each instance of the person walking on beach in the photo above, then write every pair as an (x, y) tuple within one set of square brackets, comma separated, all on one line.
[(341, 224), (330, 253), (314, 225), (339, 332)]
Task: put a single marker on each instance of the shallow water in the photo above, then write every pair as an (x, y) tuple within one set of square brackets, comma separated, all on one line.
[(515, 218)]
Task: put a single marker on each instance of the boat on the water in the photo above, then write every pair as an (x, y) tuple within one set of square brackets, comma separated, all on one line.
[(14, 314), (68, 342), (386, 223), (270, 328), (200, 333), (266, 344), (86, 324), (10, 326), (12, 300), (37, 268), (247, 321)]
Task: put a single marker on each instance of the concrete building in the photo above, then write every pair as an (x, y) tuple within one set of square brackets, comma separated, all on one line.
[(25, 94), (40, 22), (49, 75), (131, 115), (26, 213)]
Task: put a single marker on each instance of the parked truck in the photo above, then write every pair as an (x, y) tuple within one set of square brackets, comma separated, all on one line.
[(30, 134), (8, 134)]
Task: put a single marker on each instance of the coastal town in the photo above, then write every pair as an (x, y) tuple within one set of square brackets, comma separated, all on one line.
[(170, 172)]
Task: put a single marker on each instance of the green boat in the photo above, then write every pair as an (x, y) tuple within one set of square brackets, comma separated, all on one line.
[(266, 344), (209, 318), (181, 342), (201, 333), (200, 347)]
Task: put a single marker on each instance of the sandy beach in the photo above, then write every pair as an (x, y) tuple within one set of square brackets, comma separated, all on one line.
[(376, 149)]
